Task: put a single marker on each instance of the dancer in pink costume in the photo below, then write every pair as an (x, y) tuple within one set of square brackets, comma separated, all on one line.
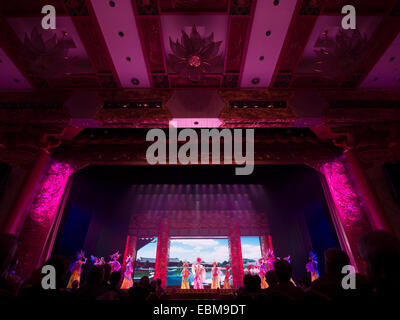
[(115, 265), (199, 275)]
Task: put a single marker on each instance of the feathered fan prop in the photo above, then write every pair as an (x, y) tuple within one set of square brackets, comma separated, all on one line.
[(195, 55), (49, 58), (340, 56)]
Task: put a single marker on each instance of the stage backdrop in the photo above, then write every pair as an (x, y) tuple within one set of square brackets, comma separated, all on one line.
[(100, 204)]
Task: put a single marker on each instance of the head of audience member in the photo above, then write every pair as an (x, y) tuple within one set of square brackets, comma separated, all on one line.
[(115, 277), (305, 283), (96, 275), (8, 248), (61, 264), (248, 282), (283, 270), (159, 282), (107, 272), (381, 252), (153, 286), (335, 260), (256, 282), (271, 278), (144, 282)]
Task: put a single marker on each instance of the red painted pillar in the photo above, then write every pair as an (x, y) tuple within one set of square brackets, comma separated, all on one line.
[(375, 212), (236, 255), (17, 214), (130, 249), (161, 267), (265, 244)]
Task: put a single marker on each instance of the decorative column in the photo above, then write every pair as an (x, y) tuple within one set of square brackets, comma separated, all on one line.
[(40, 218), (350, 215), (161, 267), (17, 214), (236, 255), (375, 212), (265, 244), (130, 250)]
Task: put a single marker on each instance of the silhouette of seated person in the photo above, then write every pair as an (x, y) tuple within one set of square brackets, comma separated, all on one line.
[(94, 286), (251, 289), (285, 290), (33, 290), (272, 281), (8, 248), (140, 290), (381, 252), (329, 286), (113, 292)]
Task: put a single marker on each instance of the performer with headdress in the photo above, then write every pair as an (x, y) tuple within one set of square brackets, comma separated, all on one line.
[(76, 269), (249, 269), (262, 272), (199, 275), (96, 261), (115, 265), (128, 281), (227, 284), (312, 265), (269, 260), (185, 276), (215, 276)]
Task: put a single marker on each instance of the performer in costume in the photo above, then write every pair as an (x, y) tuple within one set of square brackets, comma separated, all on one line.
[(227, 284), (76, 269), (215, 276), (262, 273), (312, 265), (115, 265), (96, 261), (128, 281), (199, 275), (269, 260), (249, 269), (185, 276)]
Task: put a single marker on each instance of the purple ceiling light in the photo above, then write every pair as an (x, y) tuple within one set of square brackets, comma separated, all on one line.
[(195, 55)]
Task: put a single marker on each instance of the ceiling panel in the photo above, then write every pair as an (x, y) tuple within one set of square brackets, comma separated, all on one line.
[(270, 25), (386, 73), (120, 31), (11, 77), (331, 24)]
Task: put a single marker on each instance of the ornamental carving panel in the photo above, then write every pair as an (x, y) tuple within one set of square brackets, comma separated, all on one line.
[(349, 206), (41, 216)]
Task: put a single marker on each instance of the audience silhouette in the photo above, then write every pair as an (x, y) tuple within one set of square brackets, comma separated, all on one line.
[(379, 249)]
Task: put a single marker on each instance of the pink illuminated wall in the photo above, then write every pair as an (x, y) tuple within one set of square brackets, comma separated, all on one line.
[(350, 210), (41, 216)]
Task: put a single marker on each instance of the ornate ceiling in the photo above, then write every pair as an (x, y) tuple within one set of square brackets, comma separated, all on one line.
[(222, 63), (127, 44)]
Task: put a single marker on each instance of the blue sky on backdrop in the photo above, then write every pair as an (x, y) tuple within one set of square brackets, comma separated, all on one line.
[(205, 248)]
